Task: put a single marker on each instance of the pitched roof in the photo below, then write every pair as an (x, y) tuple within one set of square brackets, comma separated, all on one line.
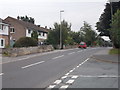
[(27, 24)]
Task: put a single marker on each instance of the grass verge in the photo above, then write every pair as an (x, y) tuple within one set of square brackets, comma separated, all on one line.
[(114, 51)]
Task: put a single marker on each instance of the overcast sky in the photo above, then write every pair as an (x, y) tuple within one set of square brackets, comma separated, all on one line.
[(47, 12)]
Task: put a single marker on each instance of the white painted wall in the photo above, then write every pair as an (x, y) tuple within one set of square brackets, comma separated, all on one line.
[(4, 31), (39, 36), (42, 37), (28, 34)]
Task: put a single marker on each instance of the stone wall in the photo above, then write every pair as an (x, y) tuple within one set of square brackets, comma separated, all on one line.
[(26, 50), (70, 46)]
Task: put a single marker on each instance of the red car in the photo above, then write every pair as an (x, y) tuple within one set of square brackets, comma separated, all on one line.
[(82, 45)]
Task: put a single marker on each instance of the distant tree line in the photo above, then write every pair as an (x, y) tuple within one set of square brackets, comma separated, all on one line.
[(26, 19)]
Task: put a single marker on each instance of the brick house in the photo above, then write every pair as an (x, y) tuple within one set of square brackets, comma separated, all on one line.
[(4, 34), (19, 28)]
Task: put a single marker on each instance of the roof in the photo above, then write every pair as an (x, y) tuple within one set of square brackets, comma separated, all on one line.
[(27, 24)]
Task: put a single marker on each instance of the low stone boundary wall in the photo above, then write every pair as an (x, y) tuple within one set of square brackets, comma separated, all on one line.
[(70, 46), (26, 50)]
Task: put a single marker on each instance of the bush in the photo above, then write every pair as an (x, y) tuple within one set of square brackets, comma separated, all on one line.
[(25, 42)]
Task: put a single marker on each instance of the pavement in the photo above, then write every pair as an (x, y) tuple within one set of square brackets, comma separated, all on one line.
[(98, 71)]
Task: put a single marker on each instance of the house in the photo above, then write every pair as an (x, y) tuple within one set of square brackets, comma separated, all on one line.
[(4, 34), (19, 28)]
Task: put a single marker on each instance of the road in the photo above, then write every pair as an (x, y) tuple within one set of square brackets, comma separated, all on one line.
[(40, 70)]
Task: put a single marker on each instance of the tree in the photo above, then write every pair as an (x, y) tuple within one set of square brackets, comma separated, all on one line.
[(103, 25), (34, 35), (87, 34), (54, 35), (26, 19), (115, 29)]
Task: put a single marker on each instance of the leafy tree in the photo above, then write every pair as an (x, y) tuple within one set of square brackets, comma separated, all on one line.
[(103, 25), (87, 34), (54, 35), (115, 29), (34, 35), (26, 19)]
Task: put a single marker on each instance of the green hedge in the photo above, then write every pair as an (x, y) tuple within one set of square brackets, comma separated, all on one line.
[(26, 42)]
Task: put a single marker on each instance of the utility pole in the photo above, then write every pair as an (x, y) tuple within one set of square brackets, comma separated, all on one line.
[(61, 29)]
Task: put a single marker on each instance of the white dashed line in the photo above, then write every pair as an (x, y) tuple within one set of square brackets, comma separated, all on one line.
[(63, 77), (64, 86), (70, 71), (1, 74), (75, 76), (58, 57), (22, 59), (70, 81), (32, 64), (79, 51), (67, 74), (57, 81), (51, 86), (83, 62), (71, 53)]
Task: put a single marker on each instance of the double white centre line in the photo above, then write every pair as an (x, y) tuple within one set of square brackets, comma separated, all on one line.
[(32, 64)]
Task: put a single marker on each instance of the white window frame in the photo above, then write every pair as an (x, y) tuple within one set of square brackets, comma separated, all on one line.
[(12, 30)]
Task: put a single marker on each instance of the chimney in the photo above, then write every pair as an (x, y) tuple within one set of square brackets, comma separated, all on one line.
[(45, 27), (38, 25)]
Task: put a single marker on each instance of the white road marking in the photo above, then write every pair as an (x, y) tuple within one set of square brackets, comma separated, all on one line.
[(23, 59), (64, 86), (1, 74), (51, 86), (70, 71), (32, 64), (83, 62), (58, 57), (71, 53), (63, 77), (100, 76), (67, 74), (70, 81), (78, 66), (57, 81), (79, 51), (75, 76)]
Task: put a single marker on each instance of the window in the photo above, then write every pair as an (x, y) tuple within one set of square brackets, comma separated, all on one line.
[(2, 42), (12, 30), (29, 31), (1, 27), (4, 27), (43, 34)]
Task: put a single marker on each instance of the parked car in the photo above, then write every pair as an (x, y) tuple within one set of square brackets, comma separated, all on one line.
[(82, 45)]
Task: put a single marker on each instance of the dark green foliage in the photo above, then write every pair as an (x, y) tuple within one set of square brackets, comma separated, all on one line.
[(87, 34), (26, 19), (54, 35), (115, 29), (103, 25), (34, 35), (26, 42)]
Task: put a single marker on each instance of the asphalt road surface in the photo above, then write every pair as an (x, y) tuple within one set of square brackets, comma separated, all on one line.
[(40, 70)]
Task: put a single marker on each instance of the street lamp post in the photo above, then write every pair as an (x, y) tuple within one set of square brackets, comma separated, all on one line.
[(61, 29)]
